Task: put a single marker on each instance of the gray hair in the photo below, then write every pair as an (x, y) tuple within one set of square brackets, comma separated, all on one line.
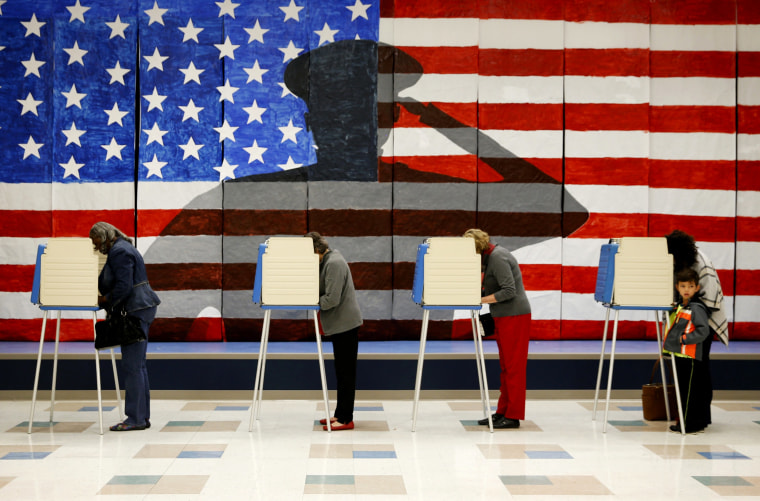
[(107, 232), (320, 244)]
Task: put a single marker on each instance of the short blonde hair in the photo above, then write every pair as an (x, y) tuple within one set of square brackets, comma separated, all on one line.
[(482, 240)]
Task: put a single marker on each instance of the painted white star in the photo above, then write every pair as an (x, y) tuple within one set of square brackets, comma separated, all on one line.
[(32, 66), (255, 72), (71, 168), (117, 73), (73, 134), (256, 33), (155, 100), (326, 35), (115, 115), (290, 52), (33, 26), (227, 91), (190, 32), (291, 11), (192, 74), (289, 132), (226, 49), (77, 12), (29, 104), (31, 148), (155, 134), (289, 165), (359, 10), (74, 98), (190, 149), (156, 60), (156, 14), (254, 113), (117, 28), (285, 90), (227, 7), (154, 167), (75, 54), (113, 149), (226, 131), (226, 170), (255, 152), (190, 111)]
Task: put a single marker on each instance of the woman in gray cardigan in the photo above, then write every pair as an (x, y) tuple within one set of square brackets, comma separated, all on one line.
[(340, 318)]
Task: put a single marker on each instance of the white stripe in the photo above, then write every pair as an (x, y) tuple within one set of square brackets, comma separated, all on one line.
[(521, 34), (427, 142), (611, 199), (430, 142), (19, 251), (451, 88), (686, 202), (748, 146), (458, 32), (176, 195), (622, 90), (545, 305), (749, 91), (592, 35), (606, 144), (748, 37), (583, 252), (534, 90), (692, 146), (748, 255), (693, 91), (584, 307), (26, 196), (720, 253), (528, 143), (386, 33), (545, 252), (747, 309), (693, 37), (68, 196), (18, 305), (748, 203)]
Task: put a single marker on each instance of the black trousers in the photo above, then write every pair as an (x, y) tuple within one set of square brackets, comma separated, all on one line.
[(695, 387), (345, 350)]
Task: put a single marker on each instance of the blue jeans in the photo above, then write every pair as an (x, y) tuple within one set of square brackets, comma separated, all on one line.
[(135, 377)]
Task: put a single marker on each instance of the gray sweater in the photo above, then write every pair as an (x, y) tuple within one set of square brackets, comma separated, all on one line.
[(337, 297), (503, 278)]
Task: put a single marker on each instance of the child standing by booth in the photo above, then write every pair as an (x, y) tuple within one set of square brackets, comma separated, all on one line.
[(688, 340)]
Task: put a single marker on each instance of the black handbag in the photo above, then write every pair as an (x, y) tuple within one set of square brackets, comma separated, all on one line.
[(118, 329), (486, 322)]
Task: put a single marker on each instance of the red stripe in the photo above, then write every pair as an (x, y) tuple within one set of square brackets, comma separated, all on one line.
[(579, 279), (28, 329), (743, 331), (607, 62), (61, 223), (749, 64), (445, 60), (509, 9), (622, 11), (702, 228), (520, 116), (748, 11), (592, 116), (16, 277), (664, 64), (748, 229), (749, 118), (463, 167), (537, 277), (720, 119), (613, 225), (612, 171), (593, 329), (746, 175), (524, 62), (519, 9), (693, 12), (670, 174)]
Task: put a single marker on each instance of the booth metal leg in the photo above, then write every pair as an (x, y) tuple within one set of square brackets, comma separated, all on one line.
[(100, 398), (601, 364), (662, 363), (482, 377), (322, 372), (55, 364), (420, 361), (258, 384), (37, 370), (609, 376), (116, 385)]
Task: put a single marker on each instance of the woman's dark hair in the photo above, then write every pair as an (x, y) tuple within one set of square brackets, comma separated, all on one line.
[(683, 248), (320, 244)]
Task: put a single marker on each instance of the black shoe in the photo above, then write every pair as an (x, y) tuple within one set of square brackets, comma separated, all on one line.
[(147, 424), (505, 422), (676, 428), (494, 417)]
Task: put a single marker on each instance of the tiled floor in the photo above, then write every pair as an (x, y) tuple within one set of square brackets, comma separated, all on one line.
[(203, 450)]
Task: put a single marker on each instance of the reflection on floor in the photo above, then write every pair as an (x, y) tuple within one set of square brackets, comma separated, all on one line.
[(203, 450)]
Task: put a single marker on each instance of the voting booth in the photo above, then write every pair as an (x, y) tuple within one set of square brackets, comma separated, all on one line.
[(66, 279), (447, 276), (287, 278), (635, 273)]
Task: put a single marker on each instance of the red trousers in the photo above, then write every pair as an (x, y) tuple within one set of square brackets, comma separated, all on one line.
[(512, 336)]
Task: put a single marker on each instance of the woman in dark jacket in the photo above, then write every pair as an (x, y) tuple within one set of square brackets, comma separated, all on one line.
[(123, 283)]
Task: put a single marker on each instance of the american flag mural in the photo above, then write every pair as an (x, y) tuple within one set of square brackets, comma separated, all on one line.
[(204, 127)]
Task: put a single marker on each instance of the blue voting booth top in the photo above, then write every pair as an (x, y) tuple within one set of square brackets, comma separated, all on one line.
[(35, 298), (419, 282), (257, 288)]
